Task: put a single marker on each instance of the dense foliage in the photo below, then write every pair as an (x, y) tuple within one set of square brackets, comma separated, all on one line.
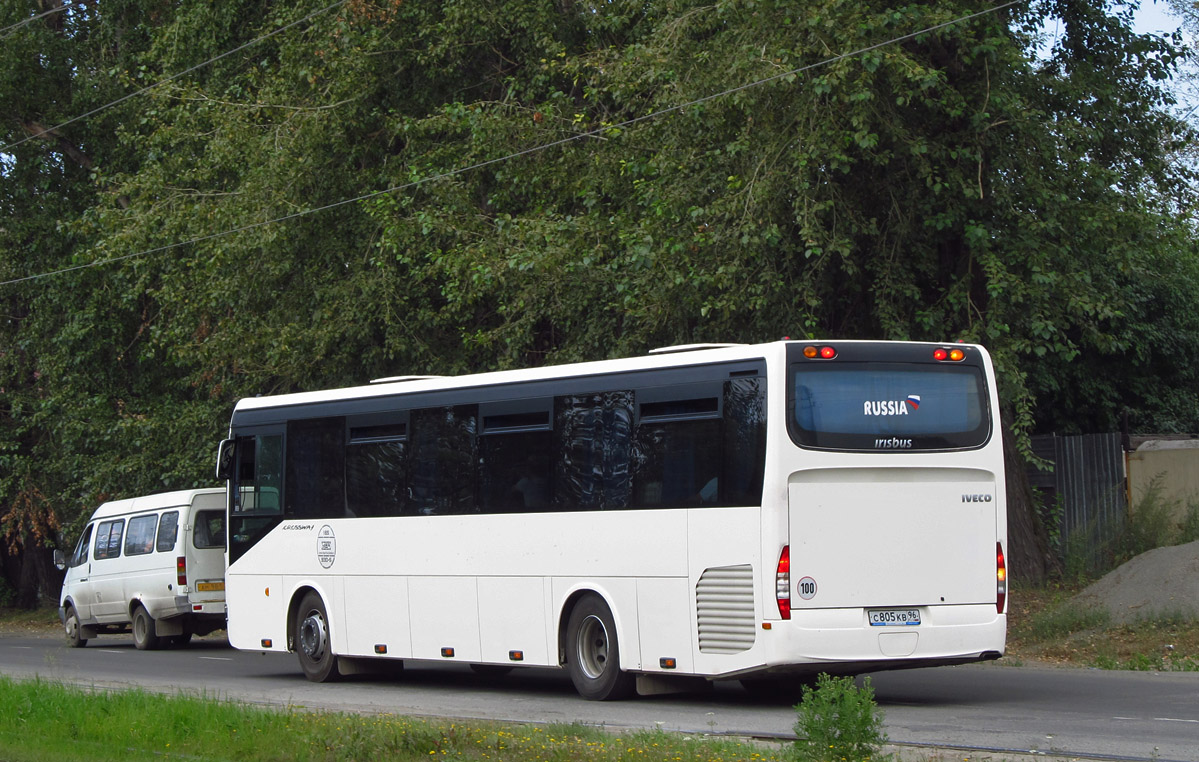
[(473, 184)]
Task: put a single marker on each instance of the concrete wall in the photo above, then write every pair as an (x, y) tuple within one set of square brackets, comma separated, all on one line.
[(1175, 463)]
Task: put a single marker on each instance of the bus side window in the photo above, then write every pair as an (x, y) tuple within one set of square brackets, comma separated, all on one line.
[(594, 436), (259, 474)]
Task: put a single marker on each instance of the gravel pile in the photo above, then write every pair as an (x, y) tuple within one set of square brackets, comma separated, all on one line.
[(1162, 582)]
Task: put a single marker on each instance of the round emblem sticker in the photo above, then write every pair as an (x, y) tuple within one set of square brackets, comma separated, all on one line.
[(807, 588), (326, 546)]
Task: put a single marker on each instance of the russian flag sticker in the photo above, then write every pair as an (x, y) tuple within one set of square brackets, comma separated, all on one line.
[(914, 401)]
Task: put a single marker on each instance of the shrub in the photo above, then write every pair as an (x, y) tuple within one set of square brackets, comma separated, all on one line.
[(838, 721)]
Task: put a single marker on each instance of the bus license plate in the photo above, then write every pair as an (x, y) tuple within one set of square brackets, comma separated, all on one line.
[(210, 587), (893, 617)]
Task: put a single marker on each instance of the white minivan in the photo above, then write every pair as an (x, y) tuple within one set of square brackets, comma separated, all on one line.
[(154, 565)]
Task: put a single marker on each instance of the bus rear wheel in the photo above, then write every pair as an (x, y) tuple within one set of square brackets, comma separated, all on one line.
[(312, 641), (593, 652)]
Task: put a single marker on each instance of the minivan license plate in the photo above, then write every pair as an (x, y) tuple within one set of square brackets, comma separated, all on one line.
[(893, 617)]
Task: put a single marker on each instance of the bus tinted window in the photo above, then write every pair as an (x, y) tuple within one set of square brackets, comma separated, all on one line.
[(884, 406), (595, 439), (377, 478), (315, 472), (443, 460)]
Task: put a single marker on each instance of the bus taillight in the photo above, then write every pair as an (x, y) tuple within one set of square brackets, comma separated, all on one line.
[(782, 583), (181, 570), (1000, 579), (824, 353)]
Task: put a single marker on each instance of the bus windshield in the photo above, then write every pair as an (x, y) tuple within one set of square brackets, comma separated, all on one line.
[(888, 406)]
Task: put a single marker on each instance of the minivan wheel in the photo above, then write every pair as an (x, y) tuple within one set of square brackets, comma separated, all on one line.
[(144, 636), (75, 638), (312, 641)]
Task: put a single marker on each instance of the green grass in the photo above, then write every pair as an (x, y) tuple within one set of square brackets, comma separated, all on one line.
[(47, 722)]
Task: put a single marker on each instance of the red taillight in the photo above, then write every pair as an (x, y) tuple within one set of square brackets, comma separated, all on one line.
[(940, 354), (827, 353), (181, 571), (1000, 579), (782, 583)]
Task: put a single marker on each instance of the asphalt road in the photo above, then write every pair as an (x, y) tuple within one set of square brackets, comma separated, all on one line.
[(985, 708)]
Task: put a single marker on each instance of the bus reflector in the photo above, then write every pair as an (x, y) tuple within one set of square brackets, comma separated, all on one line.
[(1000, 579), (266, 642), (447, 653), (181, 571), (516, 655), (782, 583), (667, 662)]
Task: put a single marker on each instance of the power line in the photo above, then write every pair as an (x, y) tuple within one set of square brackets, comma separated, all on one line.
[(535, 149), (5, 32), (173, 77)]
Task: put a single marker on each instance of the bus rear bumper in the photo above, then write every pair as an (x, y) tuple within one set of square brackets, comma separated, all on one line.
[(842, 641)]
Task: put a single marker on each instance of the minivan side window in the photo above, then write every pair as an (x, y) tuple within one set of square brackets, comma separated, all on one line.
[(108, 539), (139, 540), (79, 557), (168, 528)]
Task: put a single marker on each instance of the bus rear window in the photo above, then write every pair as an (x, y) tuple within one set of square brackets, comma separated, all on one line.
[(887, 406)]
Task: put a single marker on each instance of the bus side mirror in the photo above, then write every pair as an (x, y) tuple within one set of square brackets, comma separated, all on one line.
[(60, 560), (224, 461)]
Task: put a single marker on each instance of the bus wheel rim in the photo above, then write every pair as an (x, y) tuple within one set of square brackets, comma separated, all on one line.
[(593, 647), (313, 636)]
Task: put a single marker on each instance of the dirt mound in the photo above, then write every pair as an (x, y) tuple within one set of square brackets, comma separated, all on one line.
[(1161, 583)]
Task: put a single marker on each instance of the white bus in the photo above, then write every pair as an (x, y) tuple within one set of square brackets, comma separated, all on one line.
[(762, 513)]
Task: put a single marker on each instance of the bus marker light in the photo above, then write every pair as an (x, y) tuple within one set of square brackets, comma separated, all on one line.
[(811, 352), (667, 662), (940, 354), (827, 353), (267, 592), (956, 355), (266, 642), (766, 625), (447, 653), (381, 648), (782, 583), (516, 655)]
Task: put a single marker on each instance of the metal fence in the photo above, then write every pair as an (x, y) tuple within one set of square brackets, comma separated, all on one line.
[(1084, 493)]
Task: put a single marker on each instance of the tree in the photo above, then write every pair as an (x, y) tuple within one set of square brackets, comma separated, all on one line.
[(390, 187)]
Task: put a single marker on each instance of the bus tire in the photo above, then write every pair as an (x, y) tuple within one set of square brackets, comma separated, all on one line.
[(313, 646), (144, 636), (75, 637), (593, 652)]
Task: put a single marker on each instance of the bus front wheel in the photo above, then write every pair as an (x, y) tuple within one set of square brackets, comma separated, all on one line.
[(593, 652), (312, 641)]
